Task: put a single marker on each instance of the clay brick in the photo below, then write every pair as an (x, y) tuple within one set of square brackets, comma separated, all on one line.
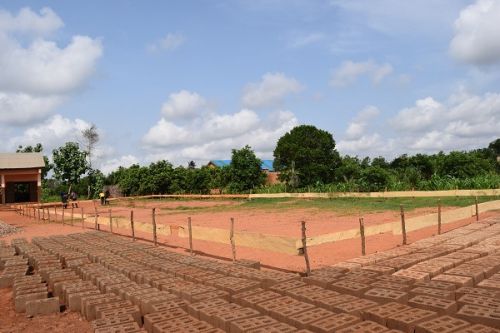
[(406, 320), (303, 320), (354, 307), (248, 324), (412, 274), (365, 327), (20, 301), (170, 304), (438, 293), (386, 295), (391, 285), (479, 300), (269, 305), (436, 285), (380, 313), (42, 306), (350, 287), (459, 281), (441, 306), (253, 300), (443, 324), (88, 305), (491, 284), (120, 328), (474, 291), (333, 323), (385, 270), (156, 317), (108, 306), (74, 300), (194, 309), (132, 310), (287, 285), (223, 320), (108, 322), (480, 315), (478, 328), (286, 312)]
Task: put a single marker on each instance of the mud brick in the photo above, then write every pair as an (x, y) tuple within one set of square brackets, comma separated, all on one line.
[(322, 280), (459, 281), (317, 296), (182, 324), (28, 289), (275, 328), (85, 298), (329, 303), (384, 270), (365, 327), (307, 293), (135, 294), (386, 295), (474, 291), (132, 310), (208, 314), (27, 279), (107, 322), (267, 306), (76, 288), (490, 284), (475, 272), (441, 306), (436, 285), (396, 279), (107, 306), (209, 295), (74, 300), (282, 287), (379, 314), (248, 263), (406, 320), (443, 324), (188, 293), (89, 305), (194, 309), (287, 312), (60, 279), (20, 301), (350, 287), (248, 324), (224, 320), (103, 283), (146, 303), (168, 305), (438, 293), (359, 278), (412, 274), (355, 307), (7, 280), (58, 289), (236, 297), (480, 315), (115, 288), (166, 281), (478, 328), (120, 328), (42, 306), (391, 285), (156, 317), (479, 300), (252, 300), (303, 320)]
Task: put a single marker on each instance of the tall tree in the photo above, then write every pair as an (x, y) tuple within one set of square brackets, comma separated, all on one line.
[(313, 152), (38, 148), (245, 171), (91, 137), (70, 163)]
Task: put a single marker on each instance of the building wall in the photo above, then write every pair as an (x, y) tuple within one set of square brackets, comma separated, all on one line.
[(272, 177), (9, 177)]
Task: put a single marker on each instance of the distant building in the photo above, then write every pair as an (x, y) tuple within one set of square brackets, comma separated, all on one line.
[(266, 166), (21, 177)]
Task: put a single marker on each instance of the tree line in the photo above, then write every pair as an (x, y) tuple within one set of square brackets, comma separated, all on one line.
[(305, 157)]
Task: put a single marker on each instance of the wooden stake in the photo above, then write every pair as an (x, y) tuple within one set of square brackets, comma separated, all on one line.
[(72, 214), (231, 239), (403, 223), (362, 233), (154, 227), (48, 214), (132, 224), (63, 214), (38, 213), (83, 218), (110, 221), (477, 209), (190, 236), (43, 213), (439, 216), (304, 247), (96, 227)]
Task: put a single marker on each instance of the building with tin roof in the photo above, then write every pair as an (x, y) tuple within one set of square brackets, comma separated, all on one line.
[(21, 177)]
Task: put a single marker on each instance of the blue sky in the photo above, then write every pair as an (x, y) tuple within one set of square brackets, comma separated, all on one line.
[(190, 80)]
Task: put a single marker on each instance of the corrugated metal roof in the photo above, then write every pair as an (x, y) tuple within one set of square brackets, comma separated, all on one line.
[(21, 160), (266, 164)]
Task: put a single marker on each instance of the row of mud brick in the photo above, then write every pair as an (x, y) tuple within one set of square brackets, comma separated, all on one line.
[(448, 283)]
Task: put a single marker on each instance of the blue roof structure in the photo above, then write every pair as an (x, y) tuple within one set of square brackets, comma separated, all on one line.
[(266, 164)]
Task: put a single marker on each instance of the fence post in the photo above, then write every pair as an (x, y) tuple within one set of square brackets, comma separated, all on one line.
[(38, 213), (63, 214), (231, 239), (362, 233), (132, 224), (403, 223), (95, 221), (304, 246), (83, 218), (439, 216), (190, 236), (55, 214), (154, 227), (477, 209), (48, 214), (110, 221), (34, 212), (72, 214)]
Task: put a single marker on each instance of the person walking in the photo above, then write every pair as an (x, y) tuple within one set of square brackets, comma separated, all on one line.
[(74, 198), (101, 196)]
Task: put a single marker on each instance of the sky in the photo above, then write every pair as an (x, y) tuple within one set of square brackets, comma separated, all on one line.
[(192, 80)]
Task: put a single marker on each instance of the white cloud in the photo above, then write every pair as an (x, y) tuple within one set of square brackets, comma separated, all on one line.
[(476, 39), (37, 74), (419, 117), (308, 39), (356, 128), (270, 91), (168, 43), (27, 21), (212, 135), (113, 164), (349, 71), (183, 104)]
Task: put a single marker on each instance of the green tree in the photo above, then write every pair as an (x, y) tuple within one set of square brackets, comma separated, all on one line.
[(375, 178), (313, 152), (70, 163), (38, 148), (495, 146), (245, 170)]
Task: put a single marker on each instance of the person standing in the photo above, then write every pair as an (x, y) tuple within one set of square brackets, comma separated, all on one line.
[(101, 196)]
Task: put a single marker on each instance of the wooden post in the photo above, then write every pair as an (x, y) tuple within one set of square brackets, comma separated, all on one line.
[(362, 233), (403, 223), (190, 236), (43, 213), (96, 216), (38, 213), (477, 209), (63, 214), (132, 224), (110, 221), (155, 240), (231, 239), (304, 247), (48, 214), (72, 214), (34, 212), (439, 216), (83, 218), (55, 214)]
